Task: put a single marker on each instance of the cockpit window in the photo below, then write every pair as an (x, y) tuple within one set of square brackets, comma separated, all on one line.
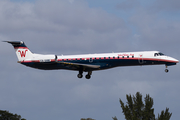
[(161, 54), (158, 54)]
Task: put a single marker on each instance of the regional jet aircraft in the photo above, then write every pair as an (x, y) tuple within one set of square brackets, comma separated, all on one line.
[(89, 62)]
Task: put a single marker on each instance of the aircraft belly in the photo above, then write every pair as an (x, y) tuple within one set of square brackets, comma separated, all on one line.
[(55, 66), (44, 66), (104, 64), (122, 62)]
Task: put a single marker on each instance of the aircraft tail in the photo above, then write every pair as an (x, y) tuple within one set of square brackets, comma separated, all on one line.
[(22, 52)]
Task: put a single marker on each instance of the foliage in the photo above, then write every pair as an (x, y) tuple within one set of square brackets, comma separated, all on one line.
[(164, 115), (5, 115), (87, 119), (135, 109), (115, 118)]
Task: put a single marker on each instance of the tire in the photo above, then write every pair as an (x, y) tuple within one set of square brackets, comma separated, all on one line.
[(79, 75), (166, 70), (88, 76)]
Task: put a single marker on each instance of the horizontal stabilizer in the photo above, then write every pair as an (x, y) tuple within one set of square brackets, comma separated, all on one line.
[(16, 43)]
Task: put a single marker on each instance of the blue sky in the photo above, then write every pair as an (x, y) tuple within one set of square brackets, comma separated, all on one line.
[(87, 26)]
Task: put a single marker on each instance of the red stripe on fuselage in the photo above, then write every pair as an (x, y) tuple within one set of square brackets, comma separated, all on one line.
[(105, 58), (29, 61)]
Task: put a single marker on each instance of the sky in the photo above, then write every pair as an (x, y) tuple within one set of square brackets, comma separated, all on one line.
[(82, 27)]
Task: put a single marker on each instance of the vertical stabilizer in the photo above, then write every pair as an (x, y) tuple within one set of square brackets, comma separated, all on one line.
[(22, 52)]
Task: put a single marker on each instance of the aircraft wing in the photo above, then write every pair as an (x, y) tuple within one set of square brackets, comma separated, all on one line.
[(78, 65), (69, 65)]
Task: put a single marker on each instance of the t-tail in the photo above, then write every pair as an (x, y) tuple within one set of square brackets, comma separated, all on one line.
[(22, 52)]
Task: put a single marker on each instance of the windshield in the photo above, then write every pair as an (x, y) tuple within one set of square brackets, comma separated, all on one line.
[(161, 54), (158, 54)]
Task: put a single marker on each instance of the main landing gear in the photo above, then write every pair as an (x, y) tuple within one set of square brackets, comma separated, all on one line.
[(80, 74), (88, 76)]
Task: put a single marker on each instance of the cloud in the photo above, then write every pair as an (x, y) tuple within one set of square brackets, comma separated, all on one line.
[(154, 24), (128, 5), (71, 1), (166, 5), (61, 22), (156, 32)]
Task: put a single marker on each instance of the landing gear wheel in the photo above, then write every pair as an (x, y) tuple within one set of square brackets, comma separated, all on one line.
[(166, 70), (79, 75), (88, 76)]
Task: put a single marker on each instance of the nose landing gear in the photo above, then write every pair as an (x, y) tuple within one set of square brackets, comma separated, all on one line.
[(166, 70)]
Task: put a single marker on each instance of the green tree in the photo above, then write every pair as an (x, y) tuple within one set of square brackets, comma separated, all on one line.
[(115, 118), (164, 115), (5, 115), (135, 109), (87, 119)]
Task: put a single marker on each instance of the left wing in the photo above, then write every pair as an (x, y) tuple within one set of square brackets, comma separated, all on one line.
[(79, 65)]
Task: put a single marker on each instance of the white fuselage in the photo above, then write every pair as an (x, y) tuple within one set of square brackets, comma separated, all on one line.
[(89, 62)]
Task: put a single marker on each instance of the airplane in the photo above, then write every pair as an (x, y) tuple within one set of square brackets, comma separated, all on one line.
[(89, 62)]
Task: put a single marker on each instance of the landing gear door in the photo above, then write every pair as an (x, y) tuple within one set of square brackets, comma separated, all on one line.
[(140, 59), (55, 59)]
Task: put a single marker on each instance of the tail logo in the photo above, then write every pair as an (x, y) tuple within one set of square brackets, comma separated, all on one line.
[(22, 53)]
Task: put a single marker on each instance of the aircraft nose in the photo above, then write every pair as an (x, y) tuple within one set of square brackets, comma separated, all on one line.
[(174, 60)]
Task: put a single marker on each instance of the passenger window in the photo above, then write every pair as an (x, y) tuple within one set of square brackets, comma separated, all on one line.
[(127, 56)]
